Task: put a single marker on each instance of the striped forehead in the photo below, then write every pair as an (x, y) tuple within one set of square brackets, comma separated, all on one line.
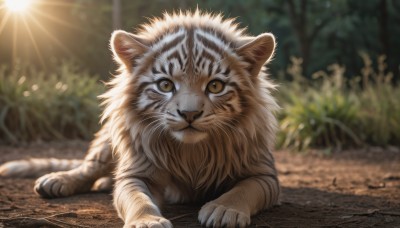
[(190, 52)]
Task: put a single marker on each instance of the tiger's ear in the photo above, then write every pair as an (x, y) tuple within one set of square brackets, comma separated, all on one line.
[(126, 47), (257, 51)]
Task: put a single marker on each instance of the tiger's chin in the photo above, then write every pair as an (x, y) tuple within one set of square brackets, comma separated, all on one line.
[(190, 135)]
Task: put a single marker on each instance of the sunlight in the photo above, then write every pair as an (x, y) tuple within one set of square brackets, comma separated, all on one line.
[(35, 46), (26, 16), (18, 5), (50, 35)]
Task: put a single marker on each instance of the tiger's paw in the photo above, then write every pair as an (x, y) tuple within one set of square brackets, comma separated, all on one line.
[(149, 222), (213, 214), (59, 184)]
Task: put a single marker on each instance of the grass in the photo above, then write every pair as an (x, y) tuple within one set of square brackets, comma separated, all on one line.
[(333, 112), (36, 106), (379, 98)]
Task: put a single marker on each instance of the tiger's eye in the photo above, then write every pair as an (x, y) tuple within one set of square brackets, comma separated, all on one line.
[(165, 85), (215, 86)]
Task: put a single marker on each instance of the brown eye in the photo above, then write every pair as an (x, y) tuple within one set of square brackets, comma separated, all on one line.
[(215, 86), (165, 85)]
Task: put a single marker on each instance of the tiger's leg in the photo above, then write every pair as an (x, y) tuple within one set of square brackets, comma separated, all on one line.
[(138, 193), (136, 204), (97, 163), (234, 208)]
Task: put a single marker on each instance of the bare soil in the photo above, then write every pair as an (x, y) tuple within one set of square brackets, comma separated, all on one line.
[(355, 188)]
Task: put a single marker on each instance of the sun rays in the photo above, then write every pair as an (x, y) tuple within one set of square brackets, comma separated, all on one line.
[(28, 20)]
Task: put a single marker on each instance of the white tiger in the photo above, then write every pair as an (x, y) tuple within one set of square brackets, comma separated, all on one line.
[(189, 118)]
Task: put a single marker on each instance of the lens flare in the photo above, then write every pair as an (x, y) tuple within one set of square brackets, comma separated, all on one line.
[(17, 5)]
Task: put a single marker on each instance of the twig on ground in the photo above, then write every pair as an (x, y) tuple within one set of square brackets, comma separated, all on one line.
[(32, 222), (368, 213), (392, 213), (48, 220), (263, 223), (380, 185), (10, 208), (375, 211), (180, 216), (63, 214)]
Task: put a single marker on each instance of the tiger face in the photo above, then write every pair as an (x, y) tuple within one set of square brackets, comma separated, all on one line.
[(190, 90)]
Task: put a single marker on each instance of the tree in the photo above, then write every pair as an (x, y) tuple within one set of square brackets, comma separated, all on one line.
[(116, 16)]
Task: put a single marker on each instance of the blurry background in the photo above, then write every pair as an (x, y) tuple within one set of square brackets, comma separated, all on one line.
[(337, 64)]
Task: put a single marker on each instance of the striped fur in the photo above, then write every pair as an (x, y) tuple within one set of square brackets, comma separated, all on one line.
[(189, 144), (35, 167)]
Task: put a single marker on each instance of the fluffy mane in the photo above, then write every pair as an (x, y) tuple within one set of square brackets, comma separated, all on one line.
[(157, 27), (231, 152)]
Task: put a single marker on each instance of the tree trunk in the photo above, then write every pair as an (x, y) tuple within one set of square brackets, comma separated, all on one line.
[(116, 14), (299, 25)]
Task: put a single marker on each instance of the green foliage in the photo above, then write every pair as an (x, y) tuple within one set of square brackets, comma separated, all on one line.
[(36, 106), (332, 112), (321, 120), (380, 104)]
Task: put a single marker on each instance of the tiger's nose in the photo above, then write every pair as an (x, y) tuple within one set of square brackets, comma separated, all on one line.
[(189, 116)]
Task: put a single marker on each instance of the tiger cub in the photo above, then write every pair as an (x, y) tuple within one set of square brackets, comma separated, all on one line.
[(189, 118)]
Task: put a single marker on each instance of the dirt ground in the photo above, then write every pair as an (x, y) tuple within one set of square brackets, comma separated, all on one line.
[(357, 188)]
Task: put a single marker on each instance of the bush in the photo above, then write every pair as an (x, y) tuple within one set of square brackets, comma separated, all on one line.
[(332, 112), (36, 106), (380, 102)]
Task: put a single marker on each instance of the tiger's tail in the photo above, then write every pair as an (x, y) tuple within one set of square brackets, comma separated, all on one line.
[(36, 167)]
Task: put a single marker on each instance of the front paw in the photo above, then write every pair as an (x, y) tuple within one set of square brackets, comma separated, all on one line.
[(149, 222), (59, 184), (215, 215)]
